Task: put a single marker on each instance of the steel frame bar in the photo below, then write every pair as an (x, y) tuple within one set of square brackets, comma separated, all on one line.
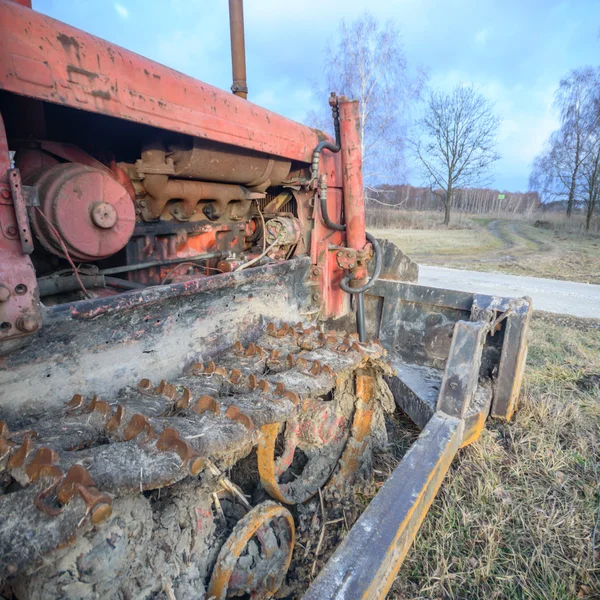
[(367, 561)]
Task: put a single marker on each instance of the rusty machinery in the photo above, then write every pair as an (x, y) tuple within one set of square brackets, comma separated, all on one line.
[(198, 335)]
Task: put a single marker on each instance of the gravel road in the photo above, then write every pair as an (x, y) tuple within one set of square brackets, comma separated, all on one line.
[(551, 295)]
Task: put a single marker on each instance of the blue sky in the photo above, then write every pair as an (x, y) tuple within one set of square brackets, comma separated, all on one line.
[(514, 51)]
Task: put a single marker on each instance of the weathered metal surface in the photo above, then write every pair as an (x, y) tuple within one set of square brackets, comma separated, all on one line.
[(91, 211), (155, 434), (367, 560), (48, 60), (354, 199), (461, 375), (20, 313), (273, 527), (238, 49), (20, 207), (107, 342)]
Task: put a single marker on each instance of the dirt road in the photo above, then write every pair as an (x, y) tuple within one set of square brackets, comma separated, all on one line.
[(564, 297)]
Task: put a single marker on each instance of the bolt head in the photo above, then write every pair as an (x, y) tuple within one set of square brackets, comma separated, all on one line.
[(104, 215), (11, 231), (4, 293), (28, 323), (5, 194), (315, 296)]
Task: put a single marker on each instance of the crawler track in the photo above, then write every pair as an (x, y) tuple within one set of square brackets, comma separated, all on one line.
[(303, 398)]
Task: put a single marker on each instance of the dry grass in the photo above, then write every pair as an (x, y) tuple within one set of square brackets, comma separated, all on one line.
[(506, 246), (423, 243), (516, 515)]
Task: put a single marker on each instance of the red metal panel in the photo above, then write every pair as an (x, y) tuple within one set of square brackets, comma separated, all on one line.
[(354, 197), (49, 60)]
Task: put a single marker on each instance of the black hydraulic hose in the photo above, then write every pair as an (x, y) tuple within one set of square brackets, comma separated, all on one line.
[(324, 214), (376, 271), (123, 283)]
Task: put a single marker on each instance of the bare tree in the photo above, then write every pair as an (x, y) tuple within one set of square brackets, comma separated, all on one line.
[(556, 171), (589, 185), (368, 64), (456, 143)]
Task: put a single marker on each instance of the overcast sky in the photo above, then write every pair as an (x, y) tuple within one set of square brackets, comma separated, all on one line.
[(515, 51)]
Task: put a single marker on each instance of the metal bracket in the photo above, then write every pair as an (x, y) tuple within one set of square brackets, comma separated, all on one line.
[(20, 206)]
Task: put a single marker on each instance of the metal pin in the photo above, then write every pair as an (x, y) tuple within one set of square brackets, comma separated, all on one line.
[(206, 404), (235, 414)]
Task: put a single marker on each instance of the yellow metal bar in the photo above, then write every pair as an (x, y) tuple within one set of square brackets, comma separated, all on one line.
[(389, 525)]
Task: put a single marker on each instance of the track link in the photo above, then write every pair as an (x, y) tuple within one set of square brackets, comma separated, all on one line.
[(294, 385)]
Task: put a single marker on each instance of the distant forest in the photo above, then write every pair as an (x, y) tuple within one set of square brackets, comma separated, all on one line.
[(469, 200)]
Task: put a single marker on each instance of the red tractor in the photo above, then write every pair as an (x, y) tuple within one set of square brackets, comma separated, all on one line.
[(198, 336)]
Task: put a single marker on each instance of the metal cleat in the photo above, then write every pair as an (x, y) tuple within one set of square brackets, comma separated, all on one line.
[(166, 390), (98, 503), (138, 424), (206, 404), (293, 397), (74, 403), (280, 389), (171, 441), (316, 368), (235, 376), (145, 387), (327, 370), (18, 458), (235, 414), (183, 402), (252, 382), (263, 386), (43, 464), (115, 421), (238, 348), (302, 364), (76, 475), (289, 361), (210, 368), (305, 342), (99, 406), (272, 329)]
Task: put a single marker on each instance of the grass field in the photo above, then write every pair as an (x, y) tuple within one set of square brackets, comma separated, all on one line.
[(507, 246), (517, 516)]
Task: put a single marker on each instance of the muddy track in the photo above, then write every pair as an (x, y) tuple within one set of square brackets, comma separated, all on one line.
[(516, 243)]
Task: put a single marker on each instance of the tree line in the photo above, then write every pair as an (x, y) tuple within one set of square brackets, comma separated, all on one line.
[(453, 137), (467, 200)]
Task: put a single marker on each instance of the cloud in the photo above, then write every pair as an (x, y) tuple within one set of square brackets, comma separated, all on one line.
[(121, 11), (482, 36)]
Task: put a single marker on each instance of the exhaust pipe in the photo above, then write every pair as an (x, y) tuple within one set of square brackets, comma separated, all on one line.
[(238, 51)]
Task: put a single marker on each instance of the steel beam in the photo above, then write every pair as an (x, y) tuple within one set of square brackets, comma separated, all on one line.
[(367, 561)]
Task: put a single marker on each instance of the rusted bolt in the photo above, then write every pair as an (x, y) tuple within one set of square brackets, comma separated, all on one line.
[(104, 215), (315, 271), (4, 293), (28, 323), (5, 194), (142, 203), (315, 296), (351, 266), (20, 289), (11, 231)]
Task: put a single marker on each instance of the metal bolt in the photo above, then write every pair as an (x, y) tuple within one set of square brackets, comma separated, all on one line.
[(28, 323), (4, 293), (351, 266), (11, 231), (5, 194), (104, 215), (142, 203), (20, 289), (315, 296), (315, 271)]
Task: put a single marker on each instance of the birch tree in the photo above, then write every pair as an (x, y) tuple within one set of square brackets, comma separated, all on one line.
[(455, 142), (556, 171), (367, 63)]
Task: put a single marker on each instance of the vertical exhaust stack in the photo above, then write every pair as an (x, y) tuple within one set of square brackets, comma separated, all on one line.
[(238, 51)]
